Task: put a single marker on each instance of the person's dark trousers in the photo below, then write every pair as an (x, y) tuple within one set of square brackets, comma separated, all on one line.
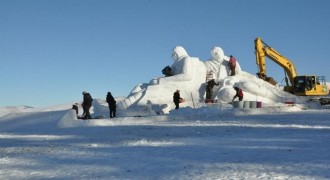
[(176, 105), (232, 69), (209, 93), (87, 113), (112, 113)]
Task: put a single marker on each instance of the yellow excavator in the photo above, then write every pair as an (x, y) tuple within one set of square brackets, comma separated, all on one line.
[(302, 85)]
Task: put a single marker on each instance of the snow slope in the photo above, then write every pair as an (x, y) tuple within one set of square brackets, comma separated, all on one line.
[(218, 142)]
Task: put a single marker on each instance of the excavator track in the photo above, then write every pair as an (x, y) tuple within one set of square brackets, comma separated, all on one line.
[(324, 100)]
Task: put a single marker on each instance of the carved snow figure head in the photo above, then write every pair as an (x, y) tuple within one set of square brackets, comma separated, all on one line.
[(178, 53), (217, 53)]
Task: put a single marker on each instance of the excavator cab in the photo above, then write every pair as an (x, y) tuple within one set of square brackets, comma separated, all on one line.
[(310, 86)]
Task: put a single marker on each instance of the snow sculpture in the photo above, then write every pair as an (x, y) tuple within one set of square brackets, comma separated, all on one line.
[(254, 88), (188, 76), (219, 64)]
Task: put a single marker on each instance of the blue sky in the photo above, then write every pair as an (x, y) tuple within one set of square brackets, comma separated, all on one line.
[(52, 50)]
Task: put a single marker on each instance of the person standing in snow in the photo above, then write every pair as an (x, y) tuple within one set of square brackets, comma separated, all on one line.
[(87, 104), (239, 94), (177, 98), (112, 105), (209, 88), (232, 65)]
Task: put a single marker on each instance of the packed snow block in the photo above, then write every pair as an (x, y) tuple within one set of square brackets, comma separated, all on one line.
[(98, 108), (122, 104), (253, 104), (136, 93), (259, 104), (69, 120), (238, 104), (246, 104), (234, 104)]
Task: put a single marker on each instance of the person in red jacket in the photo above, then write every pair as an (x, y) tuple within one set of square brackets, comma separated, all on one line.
[(239, 94), (232, 65)]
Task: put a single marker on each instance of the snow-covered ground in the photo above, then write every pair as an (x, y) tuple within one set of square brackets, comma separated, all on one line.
[(216, 142)]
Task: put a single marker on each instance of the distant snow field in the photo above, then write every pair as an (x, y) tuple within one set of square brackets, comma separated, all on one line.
[(209, 142)]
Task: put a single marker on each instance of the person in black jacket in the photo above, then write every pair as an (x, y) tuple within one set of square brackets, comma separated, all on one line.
[(112, 105), (176, 98), (87, 104), (209, 88)]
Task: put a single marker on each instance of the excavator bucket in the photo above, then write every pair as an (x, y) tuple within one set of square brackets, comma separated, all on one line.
[(271, 81), (266, 78)]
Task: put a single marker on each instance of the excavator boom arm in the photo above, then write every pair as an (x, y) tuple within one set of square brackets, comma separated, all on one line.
[(263, 51)]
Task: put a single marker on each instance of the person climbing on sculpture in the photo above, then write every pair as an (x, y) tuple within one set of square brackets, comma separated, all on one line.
[(239, 94), (177, 99), (209, 89), (232, 65)]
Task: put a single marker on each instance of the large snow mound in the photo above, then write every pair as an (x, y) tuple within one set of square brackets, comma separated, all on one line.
[(190, 75)]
